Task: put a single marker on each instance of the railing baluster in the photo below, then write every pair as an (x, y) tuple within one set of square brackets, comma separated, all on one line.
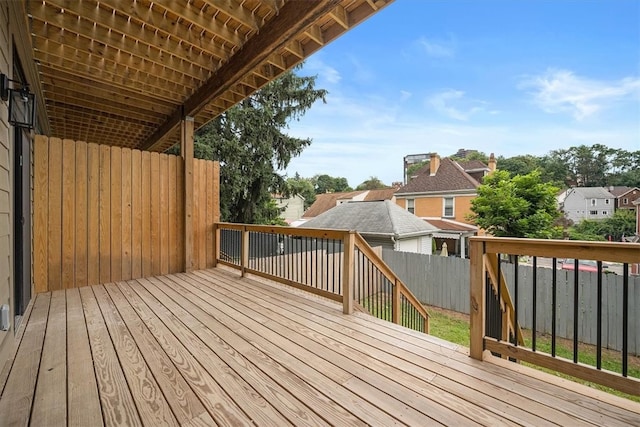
[(599, 319), (535, 302), (575, 313), (515, 296), (500, 294), (625, 318), (554, 285)]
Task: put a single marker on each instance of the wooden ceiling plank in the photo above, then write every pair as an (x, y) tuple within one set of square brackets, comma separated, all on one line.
[(157, 31), (117, 50), (71, 96), (277, 61), (54, 66), (178, 8), (101, 89), (293, 18), (109, 30), (112, 65), (236, 10)]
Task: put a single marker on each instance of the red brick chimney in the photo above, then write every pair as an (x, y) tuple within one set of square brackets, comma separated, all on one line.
[(434, 163)]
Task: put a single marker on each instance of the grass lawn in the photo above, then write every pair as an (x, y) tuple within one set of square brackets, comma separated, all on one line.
[(454, 327)]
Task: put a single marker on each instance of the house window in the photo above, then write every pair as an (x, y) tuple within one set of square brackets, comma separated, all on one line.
[(606, 201), (593, 212), (411, 205), (625, 201), (605, 213), (593, 202), (448, 207)]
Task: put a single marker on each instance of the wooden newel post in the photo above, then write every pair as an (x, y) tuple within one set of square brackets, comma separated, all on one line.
[(216, 245), (347, 272), (186, 151), (477, 286), (244, 256)]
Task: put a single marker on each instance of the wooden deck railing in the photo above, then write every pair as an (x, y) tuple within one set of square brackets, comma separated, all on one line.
[(495, 309), (335, 264)]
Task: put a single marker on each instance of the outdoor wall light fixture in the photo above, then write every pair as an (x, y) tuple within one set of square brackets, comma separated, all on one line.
[(22, 103)]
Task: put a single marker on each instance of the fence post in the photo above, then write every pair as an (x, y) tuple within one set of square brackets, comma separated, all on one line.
[(396, 307), (477, 291), (347, 272), (244, 256)]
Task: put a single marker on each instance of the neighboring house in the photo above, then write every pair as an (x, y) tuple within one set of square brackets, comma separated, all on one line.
[(455, 234), (581, 203), (625, 196), (444, 189), (291, 208), (381, 223), (326, 201)]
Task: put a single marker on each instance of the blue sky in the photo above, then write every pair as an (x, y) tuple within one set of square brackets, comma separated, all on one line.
[(509, 77)]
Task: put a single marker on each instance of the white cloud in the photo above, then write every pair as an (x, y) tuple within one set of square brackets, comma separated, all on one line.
[(453, 104), (438, 48), (562, 91), (326, 73), (404, 95)]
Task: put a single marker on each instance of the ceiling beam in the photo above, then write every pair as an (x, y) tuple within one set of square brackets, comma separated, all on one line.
[(292, 18)]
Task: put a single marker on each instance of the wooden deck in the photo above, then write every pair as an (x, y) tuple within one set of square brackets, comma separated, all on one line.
[(210, 348)]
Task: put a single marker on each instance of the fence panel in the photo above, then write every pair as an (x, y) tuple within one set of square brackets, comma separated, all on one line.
[(444, 282), (107, 213)]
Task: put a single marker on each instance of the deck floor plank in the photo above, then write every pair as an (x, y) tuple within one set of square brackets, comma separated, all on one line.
[(118, 407), (50, 401), (416, 375), (447, 408), (17, 398), (327, 408), (328, 362), (153, 407), (451, 380), (219, 355), (82, 388), (210, 347), (214, 383), (182, 400), (528, 389)]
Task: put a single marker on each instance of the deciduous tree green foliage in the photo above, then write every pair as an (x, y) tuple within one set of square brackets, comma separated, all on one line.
[(250, 143), (412, 170), (373, 183), (622, 223), (303, 187), (522, 206), (329, 184)]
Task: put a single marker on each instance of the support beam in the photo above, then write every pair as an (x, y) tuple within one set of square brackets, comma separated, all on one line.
[(292, 18), (186, 151)]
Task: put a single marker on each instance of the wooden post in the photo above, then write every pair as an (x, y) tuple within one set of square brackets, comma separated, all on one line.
[(244, 251), (347, 272), (396, 305), (186, 151), (477, 286), (216, 244)]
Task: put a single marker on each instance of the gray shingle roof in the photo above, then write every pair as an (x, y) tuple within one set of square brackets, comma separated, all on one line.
[(378, 217), (593, 192)]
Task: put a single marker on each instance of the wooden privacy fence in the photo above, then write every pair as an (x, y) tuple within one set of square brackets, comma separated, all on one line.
[(104, 214)]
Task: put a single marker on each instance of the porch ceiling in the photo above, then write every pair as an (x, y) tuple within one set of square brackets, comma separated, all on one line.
[(123, 72)]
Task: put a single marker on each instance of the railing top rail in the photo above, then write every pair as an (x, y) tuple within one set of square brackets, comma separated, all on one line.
[(601, 251), (284, 230)]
